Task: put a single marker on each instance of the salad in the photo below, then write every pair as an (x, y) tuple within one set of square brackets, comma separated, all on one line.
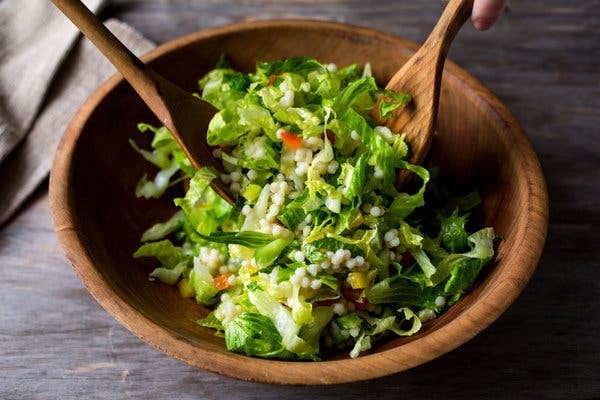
[(320, 253)]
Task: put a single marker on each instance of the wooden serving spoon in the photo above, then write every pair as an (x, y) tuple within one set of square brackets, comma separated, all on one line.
[(184, 115), (421, 77)]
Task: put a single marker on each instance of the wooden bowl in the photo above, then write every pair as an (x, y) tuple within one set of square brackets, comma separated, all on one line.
[(99, 221)]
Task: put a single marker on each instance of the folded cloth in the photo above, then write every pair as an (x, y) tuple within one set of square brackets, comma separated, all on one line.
[(34, 39), (28, 138)]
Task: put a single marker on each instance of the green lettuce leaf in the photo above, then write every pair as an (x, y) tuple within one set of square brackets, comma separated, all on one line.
[(248, 239), (391, 101), (165, 252), (453, 232), (284, 323), (255, 335)]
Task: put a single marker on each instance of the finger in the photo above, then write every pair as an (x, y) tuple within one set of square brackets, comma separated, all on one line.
[(486, 13)]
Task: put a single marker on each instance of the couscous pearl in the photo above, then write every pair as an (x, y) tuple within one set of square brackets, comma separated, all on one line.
[(235, 176), (331, 67), (305, 283), (308, 219), (332, 167), (246, 209), (336, 260), (354, 332), (283, 87), (354, 135), (314, 143), (299, 256), (339, 308), (232, 280), (277, 230), (385, 133), (351, 264), (223, 269), (376, 211), (360, 260), (300, 154), (440, 301), (287, 100), (334, 205), (235, 187), (267, 229), (305, 87), (295, 279), (313, 269), (391, 234), (279, 199), (225, 178), (301, 168), (395, 242), (426, 315), (378, 174), (315, 284), (278, 133)]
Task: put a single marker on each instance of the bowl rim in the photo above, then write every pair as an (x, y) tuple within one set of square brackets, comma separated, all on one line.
[(452, 334)]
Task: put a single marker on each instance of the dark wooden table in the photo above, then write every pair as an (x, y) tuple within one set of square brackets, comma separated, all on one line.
[(542, 60)]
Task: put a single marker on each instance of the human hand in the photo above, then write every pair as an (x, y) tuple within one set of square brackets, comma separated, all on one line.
[(486, 13)]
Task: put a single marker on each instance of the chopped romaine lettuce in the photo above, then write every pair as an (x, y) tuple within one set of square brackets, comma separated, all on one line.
[(320, 250)]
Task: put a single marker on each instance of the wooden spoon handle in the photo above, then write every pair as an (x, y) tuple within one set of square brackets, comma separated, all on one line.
[(421, 76), (139, 76), (147, 84), (456, 13), (183, 114)]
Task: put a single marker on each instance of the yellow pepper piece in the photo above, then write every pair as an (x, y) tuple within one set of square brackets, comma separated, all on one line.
[(358, 280), (185, 288)]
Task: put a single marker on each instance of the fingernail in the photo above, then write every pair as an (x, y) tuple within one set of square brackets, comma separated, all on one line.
[(482, 24)]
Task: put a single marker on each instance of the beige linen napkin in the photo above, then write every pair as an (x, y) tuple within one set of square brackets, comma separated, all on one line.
[(38, 101)]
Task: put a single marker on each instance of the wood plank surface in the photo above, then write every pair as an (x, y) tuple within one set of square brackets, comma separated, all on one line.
[(542, 60)]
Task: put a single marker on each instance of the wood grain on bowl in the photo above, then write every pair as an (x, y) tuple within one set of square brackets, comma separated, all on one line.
[(99, 221)]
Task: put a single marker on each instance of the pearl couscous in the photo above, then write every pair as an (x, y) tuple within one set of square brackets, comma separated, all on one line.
[(320, 252)]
